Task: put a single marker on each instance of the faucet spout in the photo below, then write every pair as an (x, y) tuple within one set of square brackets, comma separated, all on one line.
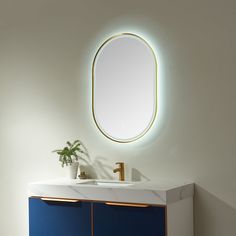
[(116, 170)]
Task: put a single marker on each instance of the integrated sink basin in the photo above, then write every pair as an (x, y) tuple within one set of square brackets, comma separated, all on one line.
[(106, 183)]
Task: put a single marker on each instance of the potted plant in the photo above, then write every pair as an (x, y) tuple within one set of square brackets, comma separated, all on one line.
[(70, 155)]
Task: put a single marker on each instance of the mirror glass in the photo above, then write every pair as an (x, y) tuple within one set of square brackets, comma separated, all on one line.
[(124, 87)]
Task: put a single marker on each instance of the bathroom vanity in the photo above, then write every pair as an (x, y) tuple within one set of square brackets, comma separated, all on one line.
[(110, 208)]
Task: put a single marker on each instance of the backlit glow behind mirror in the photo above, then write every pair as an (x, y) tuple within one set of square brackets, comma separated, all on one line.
[(124, 87)]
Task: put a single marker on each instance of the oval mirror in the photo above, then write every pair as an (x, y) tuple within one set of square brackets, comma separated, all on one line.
[(124, 87)]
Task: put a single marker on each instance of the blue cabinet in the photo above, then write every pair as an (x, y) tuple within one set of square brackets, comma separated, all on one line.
[(59, 218), (128, 221), (54, 218)]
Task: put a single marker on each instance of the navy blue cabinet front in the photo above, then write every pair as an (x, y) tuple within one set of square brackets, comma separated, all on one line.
[(128, 221), (59, 218), (54, 218)]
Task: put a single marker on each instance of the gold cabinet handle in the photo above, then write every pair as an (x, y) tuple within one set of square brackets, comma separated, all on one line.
[(58, 199), (126, 204)]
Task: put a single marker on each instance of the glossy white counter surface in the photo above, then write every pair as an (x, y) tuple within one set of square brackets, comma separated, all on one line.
[(139, 192)]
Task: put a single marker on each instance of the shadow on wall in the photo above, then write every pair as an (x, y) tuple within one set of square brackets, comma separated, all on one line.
[(98, 169), (213, 217), (136, 175)]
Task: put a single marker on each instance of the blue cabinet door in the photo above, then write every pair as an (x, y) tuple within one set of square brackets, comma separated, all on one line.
[(128, 221), (59, 218)]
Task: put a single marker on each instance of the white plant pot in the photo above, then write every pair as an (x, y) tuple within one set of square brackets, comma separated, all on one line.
[(72, 170)]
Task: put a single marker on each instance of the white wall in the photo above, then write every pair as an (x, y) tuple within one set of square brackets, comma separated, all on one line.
[(46, 49)]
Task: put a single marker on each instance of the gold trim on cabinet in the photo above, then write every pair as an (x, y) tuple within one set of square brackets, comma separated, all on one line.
[(104, 201), (156, 88), (126, 204), (166, 226), (92, 220), (58, 199)]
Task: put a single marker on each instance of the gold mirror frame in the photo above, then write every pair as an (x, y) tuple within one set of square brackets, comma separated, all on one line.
[(156, 89)]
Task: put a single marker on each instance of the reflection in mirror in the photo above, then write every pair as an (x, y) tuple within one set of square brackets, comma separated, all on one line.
[(124, 87)]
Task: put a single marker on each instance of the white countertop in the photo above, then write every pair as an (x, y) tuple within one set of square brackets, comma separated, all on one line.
[(159, 193)]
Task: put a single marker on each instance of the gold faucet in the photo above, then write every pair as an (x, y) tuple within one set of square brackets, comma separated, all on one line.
[(121, 170)]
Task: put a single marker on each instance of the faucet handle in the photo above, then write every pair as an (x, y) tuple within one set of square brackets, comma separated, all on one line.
[(119, 163)]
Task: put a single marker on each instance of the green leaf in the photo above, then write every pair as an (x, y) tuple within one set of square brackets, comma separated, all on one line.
[(69, 144), (58, 150)]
